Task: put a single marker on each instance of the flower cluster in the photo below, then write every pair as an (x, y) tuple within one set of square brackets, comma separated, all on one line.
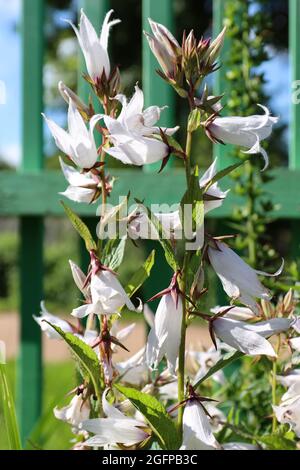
[(167, 373)]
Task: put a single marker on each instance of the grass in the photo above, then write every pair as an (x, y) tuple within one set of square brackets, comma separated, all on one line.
[(50, 433)]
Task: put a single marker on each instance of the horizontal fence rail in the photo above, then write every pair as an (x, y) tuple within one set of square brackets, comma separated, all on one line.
[(38, 193), (31, 193)]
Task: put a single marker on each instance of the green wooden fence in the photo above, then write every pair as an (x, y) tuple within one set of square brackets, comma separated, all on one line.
[(31, 193)]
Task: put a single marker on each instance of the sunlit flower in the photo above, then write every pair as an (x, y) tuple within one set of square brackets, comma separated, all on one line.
[(133, 370), (239, 280), (77, 411), (164, 46), (197, 431), (250, 338), (45, 317), (214, 191), (235, 312), (288, 411), (132, 132), (78, 143), (115, 428), (107, 295), (83, 187), (243, 131), (164, 337), (204, 360), (94, 48), (291, 378)]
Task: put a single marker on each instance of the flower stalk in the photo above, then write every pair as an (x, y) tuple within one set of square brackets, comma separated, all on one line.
[(183, 287)]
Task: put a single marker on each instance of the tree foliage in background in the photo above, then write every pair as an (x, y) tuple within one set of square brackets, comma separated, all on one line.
[(248, 23)]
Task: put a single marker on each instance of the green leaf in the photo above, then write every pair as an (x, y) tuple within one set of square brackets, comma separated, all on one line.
[(221, 364), (9, 412), (164, 241), (86, 356), (113, 253), (81, 228), (156, 415), (140, 276), (277, 442), (221, 174), (193, 197), (194, 120), (172, 142)]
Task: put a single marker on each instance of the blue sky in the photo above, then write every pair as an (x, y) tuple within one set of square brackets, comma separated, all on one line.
[(10, 69), (277, 73)]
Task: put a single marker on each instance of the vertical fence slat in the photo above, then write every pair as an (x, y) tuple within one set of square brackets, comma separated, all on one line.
[(294, 140), (294, 50), (156, 91), (31, 227), (221, 85)]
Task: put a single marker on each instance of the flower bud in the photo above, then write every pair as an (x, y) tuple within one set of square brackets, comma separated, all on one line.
[(67, 93)]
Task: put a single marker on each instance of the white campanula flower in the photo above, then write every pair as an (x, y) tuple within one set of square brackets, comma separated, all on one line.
[(141, 227), (83, 187), (79, 278), (123, 333), (288, 411), (214, 190), (78, 143), (45, 317), (239, 280), (250, 338), (197, 430), (295, 343), (134, 370), (115, 428), (243, 131), (289, 379), (67, 93), (164, 46), (107, 296), (132, 132), (77, 411), (204, 360), (164, 337), (94, 48), (235, 312)]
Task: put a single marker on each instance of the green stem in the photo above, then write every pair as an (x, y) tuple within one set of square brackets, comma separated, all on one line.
[(188, 149), (252, 253), (181, 354), (103, 197)]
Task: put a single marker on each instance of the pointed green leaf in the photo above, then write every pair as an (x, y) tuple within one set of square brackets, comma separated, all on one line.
[(9, 412), (81, 228), (86, 356), (164, 241), (221, 364), (113, 253), (193, 198), (277, 442), (140, 276), (221, 174), (155, 414)]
